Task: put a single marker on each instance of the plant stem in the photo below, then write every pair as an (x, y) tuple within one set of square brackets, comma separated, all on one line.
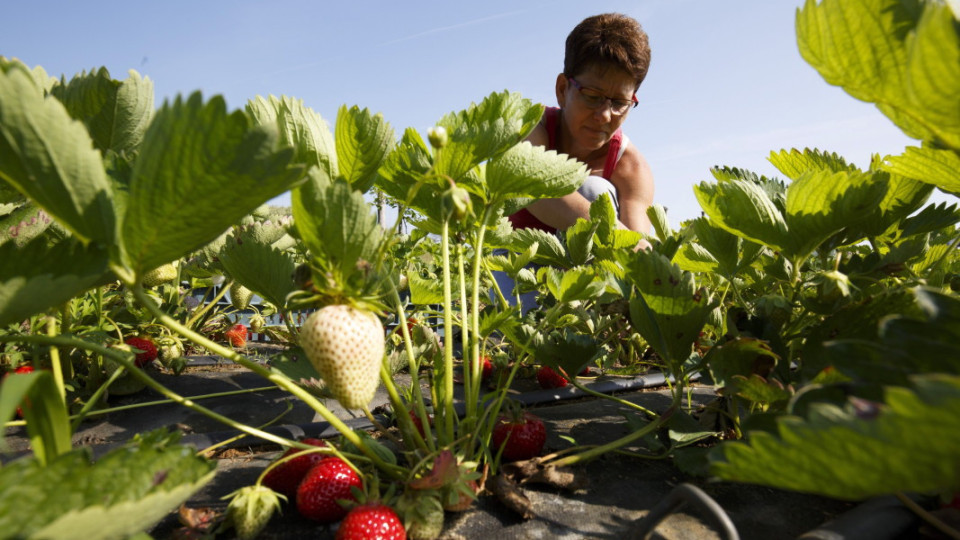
[(206, 307), (446, 373), (276, 378), (599, 450), (120, 408), (125, 360), (615, 399), (933, 520), (53, 330)]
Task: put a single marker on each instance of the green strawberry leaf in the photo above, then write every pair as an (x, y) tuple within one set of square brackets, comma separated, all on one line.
[(658, 218), (903, 56), (578, 283), (745, 209), (549, 249), (126, 491), (403, 169), (906, 443), (604, 215), (569, 351), (363, 139), (42, 80), (484, 131), (794, 163), (338, 227), (667, 308), (35, 277), (741, 357), (194, 153), (931, 218), (532, 171), (47, 424), (259, 267), (24, 223), (301, 128), (931, 165), (821, 203), (425, 291), (49, 157), (852, 322), (116, 113), (579, 238)]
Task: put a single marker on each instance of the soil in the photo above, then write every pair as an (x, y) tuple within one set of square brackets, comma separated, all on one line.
[(621, 489)]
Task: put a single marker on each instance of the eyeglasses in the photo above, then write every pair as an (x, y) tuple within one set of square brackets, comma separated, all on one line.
[(593, 99)]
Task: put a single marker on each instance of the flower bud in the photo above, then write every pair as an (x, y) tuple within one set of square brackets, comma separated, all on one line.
[(438, 137), (456, 203)]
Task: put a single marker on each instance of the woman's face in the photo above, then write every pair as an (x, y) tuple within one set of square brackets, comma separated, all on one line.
[(591, 125)]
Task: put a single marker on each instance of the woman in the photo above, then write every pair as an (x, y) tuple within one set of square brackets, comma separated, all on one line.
[(606, 59)]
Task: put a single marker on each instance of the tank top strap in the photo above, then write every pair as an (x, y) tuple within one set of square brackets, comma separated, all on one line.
[(617, 145)]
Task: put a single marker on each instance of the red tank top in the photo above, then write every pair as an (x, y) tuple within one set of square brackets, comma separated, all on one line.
[(523, 219)]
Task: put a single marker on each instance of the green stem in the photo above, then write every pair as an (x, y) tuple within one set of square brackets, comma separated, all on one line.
[(467, 358), (403, 414), (85, 411), (933, 520), (577, 384), (120, 408), (53, 330), (125, 360), (276, 378), (473, 389), (447, 373), (206, 307), (623, 441)]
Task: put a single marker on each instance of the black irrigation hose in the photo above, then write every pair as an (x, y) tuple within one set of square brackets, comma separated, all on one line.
[(883, 518)]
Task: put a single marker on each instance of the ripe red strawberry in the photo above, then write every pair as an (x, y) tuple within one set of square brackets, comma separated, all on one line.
[(285, 478), (521, 437), (20, 371), (237, 335), (486, 368), (548, 378), (148, 351), (346, 346), (324, 484), (417, 423), (371, 521)]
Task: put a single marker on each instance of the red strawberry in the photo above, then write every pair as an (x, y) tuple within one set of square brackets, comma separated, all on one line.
[(346, 346), (417, 423), (20, 371), (237, 336), (285, 478), (148, 351), (486, 368), (324, 484), (548, 378), (371, 521), (522, 437)]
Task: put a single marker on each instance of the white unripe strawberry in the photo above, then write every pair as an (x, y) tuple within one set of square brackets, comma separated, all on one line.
[(346, 346)]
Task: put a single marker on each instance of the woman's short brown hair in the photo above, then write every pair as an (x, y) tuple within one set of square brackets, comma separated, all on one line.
[(610, 39)]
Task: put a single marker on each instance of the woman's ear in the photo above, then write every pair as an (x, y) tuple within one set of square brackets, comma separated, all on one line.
[(561, 90)]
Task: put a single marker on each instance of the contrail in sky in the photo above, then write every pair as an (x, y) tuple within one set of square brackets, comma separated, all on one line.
[(454, 26)]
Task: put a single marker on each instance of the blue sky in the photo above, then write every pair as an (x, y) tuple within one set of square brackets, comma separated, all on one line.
[(726, 84)]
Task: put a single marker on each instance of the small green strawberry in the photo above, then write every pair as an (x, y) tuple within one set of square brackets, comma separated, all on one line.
[(160, 275), (257, 322), (251, 508), (422, 514), (240, 296), (346, 346)]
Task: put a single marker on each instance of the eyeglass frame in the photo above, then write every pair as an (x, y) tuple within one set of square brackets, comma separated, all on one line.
[(613, 101)]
